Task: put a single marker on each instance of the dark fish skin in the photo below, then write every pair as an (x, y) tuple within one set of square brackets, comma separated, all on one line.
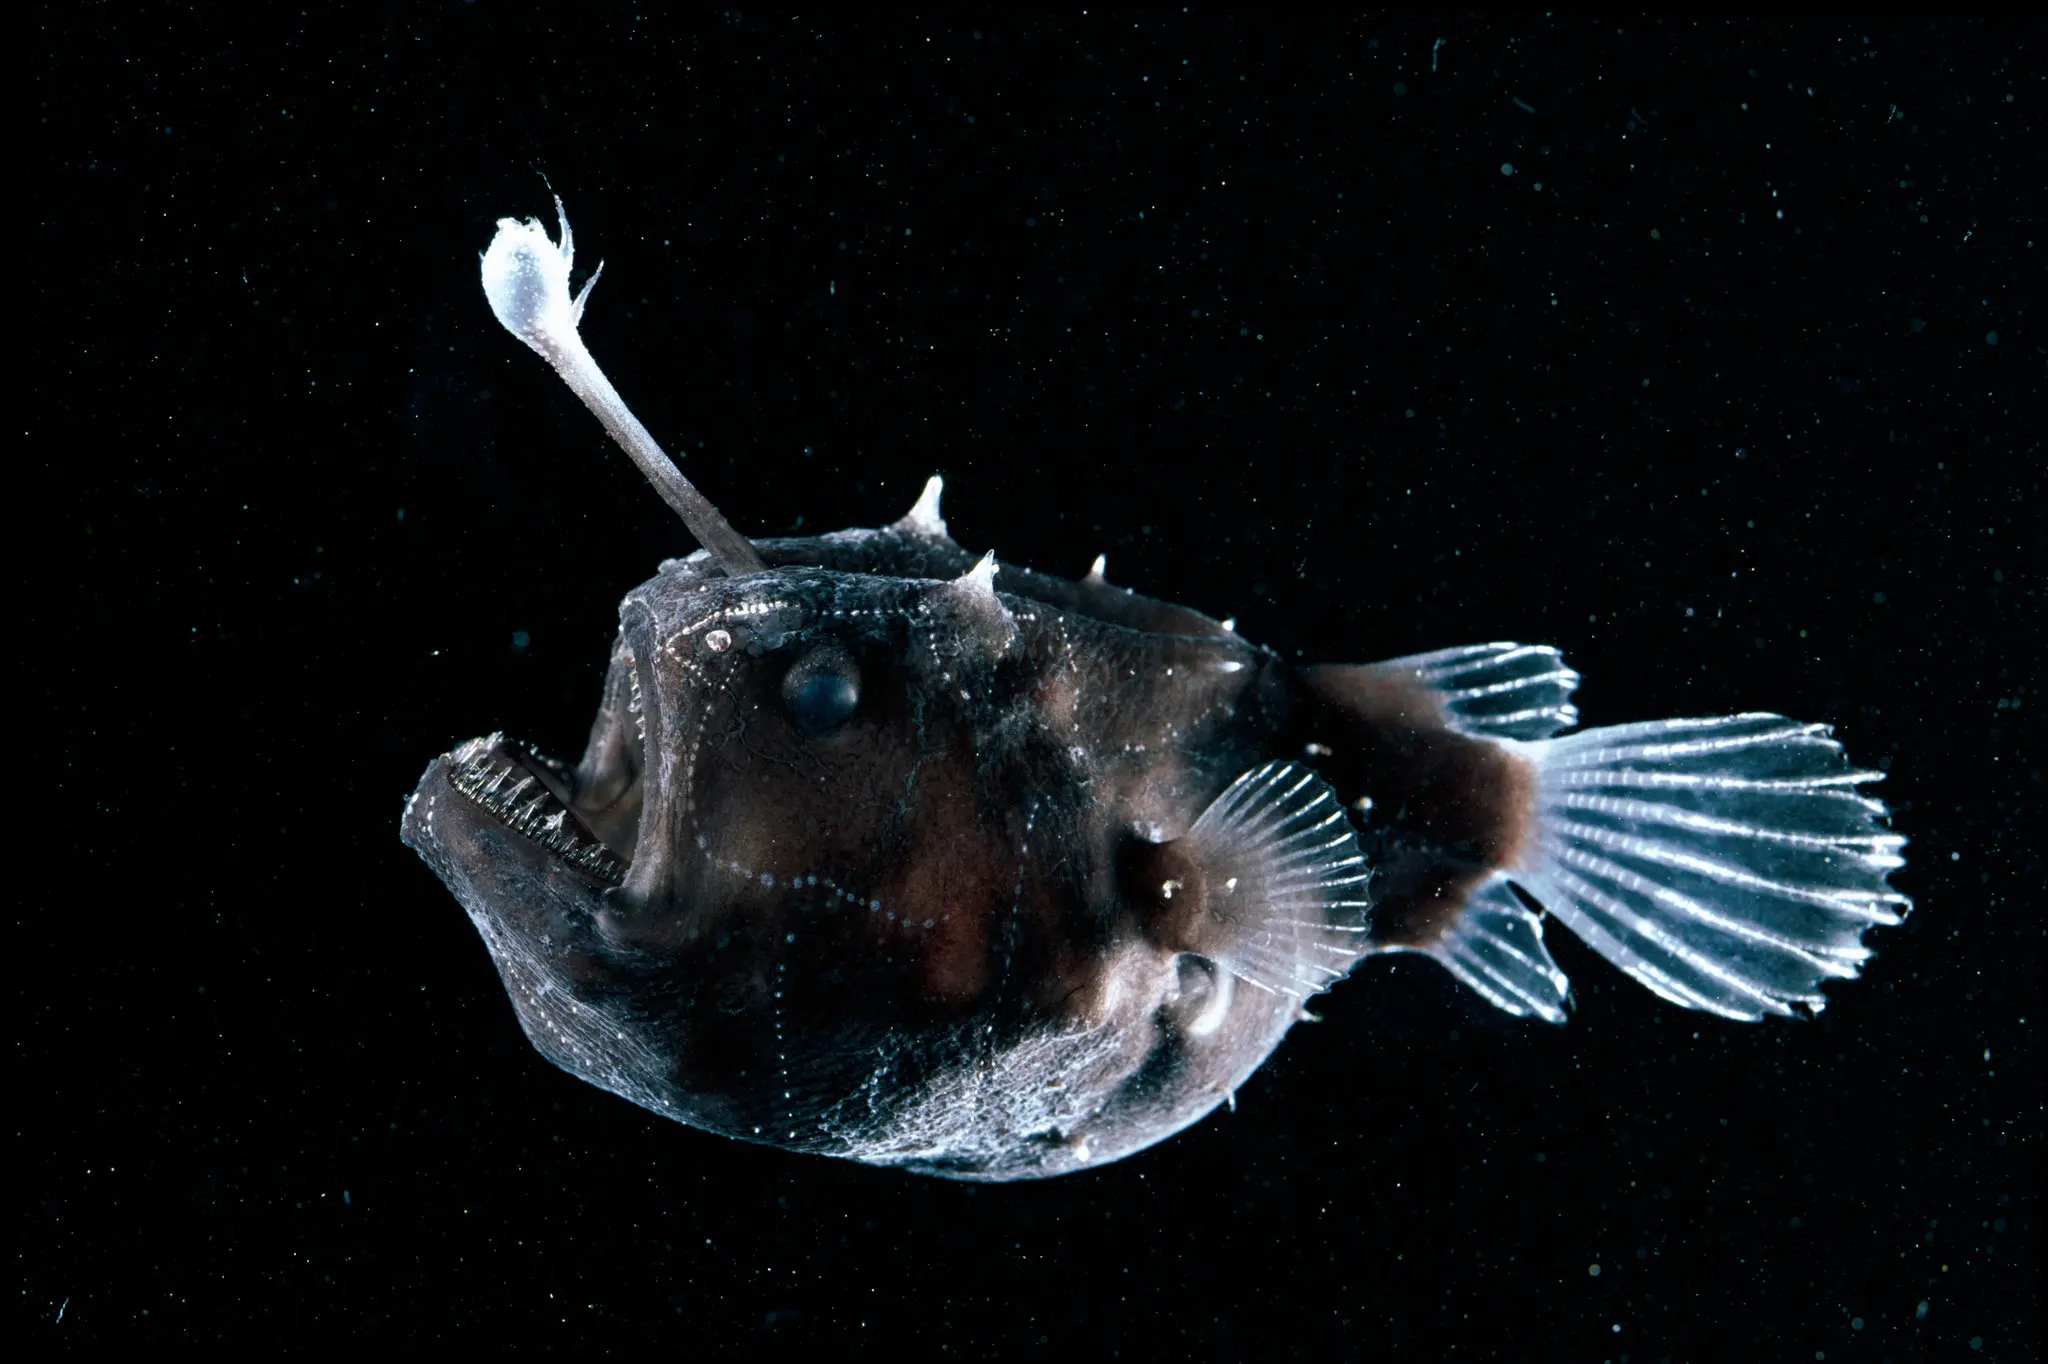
[(912, 940)]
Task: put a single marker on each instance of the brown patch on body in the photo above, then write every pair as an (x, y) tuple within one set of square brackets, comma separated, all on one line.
[(1448, 809), (959, 874), (1169, 890), (955, 956), (1055, 695)]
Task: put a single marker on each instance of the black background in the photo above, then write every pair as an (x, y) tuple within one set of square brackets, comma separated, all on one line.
[(1707, 352)]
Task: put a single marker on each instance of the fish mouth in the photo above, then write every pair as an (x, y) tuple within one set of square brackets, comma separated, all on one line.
[(530, 793)]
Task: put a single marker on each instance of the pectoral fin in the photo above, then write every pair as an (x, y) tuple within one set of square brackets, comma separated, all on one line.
[(1269, 883)]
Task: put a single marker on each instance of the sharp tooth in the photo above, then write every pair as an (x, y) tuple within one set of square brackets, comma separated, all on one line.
[(472, 752), (481, 771)]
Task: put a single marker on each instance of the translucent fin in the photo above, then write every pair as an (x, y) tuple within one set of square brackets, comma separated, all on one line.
[(1507, 691), (1728, 864), (1284, 881), (1496, 947)]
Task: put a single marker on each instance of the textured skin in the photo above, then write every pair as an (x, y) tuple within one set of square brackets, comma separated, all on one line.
[(905, 941)]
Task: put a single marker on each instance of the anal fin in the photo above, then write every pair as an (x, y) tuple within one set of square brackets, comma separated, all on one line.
[(1496, 947)]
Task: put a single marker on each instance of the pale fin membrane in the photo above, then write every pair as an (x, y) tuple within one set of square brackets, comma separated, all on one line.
[(1728, 864), (1505, 691), (1495, 947), (1285, 881)]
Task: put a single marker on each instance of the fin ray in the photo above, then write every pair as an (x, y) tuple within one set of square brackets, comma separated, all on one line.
[(1496, 948), (1287, 908), (1510, 691), (1723, 862)]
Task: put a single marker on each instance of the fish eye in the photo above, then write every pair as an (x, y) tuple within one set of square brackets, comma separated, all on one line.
[(822, 689)]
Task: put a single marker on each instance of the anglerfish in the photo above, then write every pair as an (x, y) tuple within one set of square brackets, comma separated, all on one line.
[(883, 850)]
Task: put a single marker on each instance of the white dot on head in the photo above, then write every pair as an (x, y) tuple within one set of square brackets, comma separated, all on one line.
[(718, 641)]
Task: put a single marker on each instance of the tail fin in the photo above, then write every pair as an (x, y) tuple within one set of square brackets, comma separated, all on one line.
[(1728, 864)]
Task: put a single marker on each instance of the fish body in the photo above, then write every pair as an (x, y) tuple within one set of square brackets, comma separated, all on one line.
[(882, 850)]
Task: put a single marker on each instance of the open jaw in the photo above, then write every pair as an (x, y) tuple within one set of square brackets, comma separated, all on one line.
[(532, 795)]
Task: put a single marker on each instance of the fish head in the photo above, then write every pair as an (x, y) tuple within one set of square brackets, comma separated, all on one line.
[(793, 846)]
